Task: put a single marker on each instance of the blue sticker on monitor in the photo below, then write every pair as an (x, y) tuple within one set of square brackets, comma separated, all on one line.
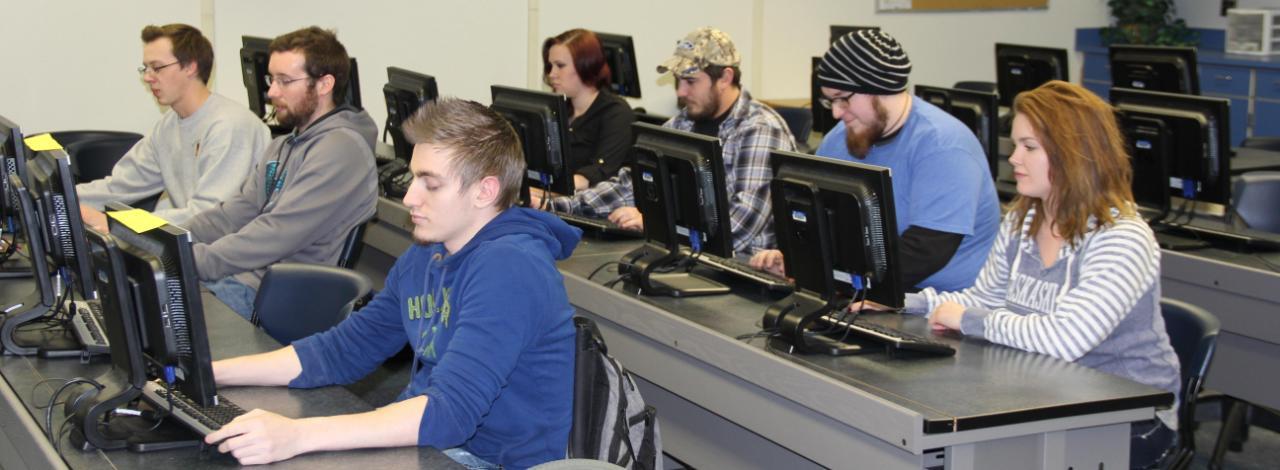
[(1143, 144), (799, 216), (646, 176)]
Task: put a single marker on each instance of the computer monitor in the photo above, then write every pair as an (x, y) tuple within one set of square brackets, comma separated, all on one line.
[(837, 230), (838, 31), (53, 186), (1155, 68), (1020, 68), (255, 56), (405, 92), (174, 341), (542, 121), (1178, 143), (823, 121), (977, 110), (620, 54), (679, 184), (123, 382), (40, 302), (14, 162)]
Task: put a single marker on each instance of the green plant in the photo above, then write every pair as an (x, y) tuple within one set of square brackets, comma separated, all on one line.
[(1147, 22)]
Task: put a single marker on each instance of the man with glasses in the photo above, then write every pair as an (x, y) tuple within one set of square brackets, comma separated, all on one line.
[(944, 198), (313, 185), (706, 66), (201, 149)]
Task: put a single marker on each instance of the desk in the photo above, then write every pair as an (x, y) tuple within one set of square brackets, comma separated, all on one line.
[(725, 403), (23, 445)]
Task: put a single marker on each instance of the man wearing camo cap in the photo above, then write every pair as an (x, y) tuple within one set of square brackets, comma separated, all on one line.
[(943, 195), (706, 66)]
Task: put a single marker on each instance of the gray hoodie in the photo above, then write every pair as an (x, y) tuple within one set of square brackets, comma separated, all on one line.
[(328, 185)]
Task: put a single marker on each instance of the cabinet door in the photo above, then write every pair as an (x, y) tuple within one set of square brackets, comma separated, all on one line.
[(1266, 119)]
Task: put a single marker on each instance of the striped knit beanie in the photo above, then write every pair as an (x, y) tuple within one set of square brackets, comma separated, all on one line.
[(867, 61)]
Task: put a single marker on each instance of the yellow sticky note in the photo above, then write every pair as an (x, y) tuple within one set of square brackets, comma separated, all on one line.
[(42, 142), (137, 220)]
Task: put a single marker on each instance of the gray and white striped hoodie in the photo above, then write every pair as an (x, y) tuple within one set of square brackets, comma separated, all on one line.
[(1098, 305)]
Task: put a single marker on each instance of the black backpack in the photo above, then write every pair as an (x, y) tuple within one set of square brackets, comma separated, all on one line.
[(610, 419)]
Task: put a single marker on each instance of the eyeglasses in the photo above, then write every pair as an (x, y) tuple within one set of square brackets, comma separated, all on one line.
[(154, 69), (283, 81), (841, 101)]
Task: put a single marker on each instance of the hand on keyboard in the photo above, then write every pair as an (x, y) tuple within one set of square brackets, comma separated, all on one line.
[(259, 437), (628, 218), (770, 261), (869, 305)]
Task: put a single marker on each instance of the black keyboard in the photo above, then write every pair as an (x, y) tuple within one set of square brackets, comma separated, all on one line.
[(87, 323), (893, 340), (201, 419), (599, 225), (744, 270)]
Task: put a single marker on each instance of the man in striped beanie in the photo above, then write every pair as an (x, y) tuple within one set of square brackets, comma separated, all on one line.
[(944, 198)]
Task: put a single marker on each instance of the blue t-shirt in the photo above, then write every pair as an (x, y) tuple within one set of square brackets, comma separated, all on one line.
[(941, 181)]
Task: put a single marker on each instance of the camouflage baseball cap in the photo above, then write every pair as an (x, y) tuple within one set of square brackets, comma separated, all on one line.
[(702, 47)]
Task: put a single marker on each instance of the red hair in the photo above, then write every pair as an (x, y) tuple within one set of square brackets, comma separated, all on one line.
[(588, 57)]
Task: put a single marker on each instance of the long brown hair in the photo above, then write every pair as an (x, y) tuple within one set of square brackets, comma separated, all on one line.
[(588, 57), (1089, 170)]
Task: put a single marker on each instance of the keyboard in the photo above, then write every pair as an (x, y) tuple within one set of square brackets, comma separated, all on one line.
[(87, 324), (894, 341), (201, 419), (603, 226), (743, 269)]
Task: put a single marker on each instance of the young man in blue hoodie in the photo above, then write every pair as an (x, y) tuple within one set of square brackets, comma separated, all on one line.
[(479, 300)]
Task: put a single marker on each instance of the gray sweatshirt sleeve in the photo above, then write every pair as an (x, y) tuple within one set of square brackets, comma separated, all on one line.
[(319, 193), (135, 176), (230, 151)]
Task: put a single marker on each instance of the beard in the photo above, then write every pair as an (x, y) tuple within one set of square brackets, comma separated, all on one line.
[(859, 143), (708, 112), (292, 118)]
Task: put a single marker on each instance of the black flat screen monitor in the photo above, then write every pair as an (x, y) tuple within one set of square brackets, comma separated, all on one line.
[(620, 54), (542, 121), (1020, 68), (41, 301), (405, 92), (979, 111), (836, 227), (255, 56), (54, 189), (13, 161), (1178, 143), (1155, 68), (173, 331), (823, 121), (838, 31), (693, 203)]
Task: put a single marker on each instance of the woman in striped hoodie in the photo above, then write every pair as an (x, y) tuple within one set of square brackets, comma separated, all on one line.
[(1074, 272)]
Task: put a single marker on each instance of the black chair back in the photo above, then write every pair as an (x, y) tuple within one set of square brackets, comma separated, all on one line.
[(352, 246), (94, 153), (1255, 199), (1193, 333), (297, 300), (799, 121)]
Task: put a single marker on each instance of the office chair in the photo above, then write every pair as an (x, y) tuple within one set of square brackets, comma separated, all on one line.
[(297, 300), (1193, 333), (989, 87), (352, 246), (800, 122), (1255, 197), (94, 153)]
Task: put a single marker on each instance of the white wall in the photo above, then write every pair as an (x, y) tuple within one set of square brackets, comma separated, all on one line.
[(73, 64), (469, 46)]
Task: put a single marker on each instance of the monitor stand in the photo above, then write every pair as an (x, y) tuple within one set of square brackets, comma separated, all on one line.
[(792, 317), (647, 265)]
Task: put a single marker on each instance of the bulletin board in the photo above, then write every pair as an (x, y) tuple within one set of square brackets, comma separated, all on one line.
[(944, 5)]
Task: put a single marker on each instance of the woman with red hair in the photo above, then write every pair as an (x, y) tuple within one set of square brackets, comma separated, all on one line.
[(573, 64)]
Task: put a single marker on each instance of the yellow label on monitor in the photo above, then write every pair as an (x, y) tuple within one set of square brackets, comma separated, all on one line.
[(42, 142), (137, 220)]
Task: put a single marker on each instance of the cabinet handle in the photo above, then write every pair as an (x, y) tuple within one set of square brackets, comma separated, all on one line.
[(1222, 77)]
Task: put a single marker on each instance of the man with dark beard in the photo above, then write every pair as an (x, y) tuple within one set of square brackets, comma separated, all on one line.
[(311, 188), (946, 203), (706, 66)]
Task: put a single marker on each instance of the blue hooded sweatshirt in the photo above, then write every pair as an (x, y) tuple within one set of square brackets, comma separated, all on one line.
[(493, 331)]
